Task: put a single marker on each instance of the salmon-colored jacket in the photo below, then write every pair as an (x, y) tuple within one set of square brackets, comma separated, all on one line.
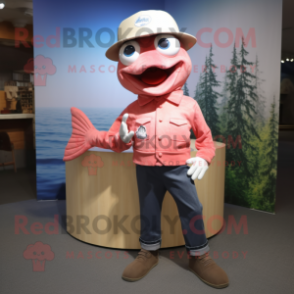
[(162, 130)]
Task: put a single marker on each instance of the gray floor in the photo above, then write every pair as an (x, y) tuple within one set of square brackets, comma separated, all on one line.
[(267, 268)]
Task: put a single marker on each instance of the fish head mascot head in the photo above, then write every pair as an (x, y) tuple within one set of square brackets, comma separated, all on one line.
[(152, 61), (151, 53)]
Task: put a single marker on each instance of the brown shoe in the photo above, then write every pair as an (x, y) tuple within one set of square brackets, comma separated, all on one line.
[(140, 267), (208, 271)]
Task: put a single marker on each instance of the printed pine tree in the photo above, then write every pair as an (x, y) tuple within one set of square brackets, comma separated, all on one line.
[(270, 152), (203, 85), (197, 90), (263, 186), (240, 115), (186, 90), (232, 187), (208, 96), (232, 76), (260, 99), (223, 116)]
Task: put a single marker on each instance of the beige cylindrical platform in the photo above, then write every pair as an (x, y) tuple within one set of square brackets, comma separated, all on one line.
[(102, 201)]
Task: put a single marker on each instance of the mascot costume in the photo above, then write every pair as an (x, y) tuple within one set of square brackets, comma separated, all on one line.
[(154, 64)]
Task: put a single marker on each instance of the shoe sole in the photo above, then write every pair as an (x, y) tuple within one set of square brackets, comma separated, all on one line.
[(136, 279), (212, 285)]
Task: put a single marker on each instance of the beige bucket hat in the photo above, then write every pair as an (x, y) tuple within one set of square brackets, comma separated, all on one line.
[(147, 23)]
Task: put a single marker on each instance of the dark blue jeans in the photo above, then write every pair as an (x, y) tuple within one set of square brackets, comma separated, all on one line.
[(153, 182)]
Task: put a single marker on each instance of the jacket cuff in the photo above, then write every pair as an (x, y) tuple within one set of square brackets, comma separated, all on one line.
[(205, 156), (121, 144)]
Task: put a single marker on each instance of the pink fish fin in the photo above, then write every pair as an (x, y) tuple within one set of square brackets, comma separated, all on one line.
[(83, 137)]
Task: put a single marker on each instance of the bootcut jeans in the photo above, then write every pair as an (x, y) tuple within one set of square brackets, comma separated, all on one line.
[(153, 182)]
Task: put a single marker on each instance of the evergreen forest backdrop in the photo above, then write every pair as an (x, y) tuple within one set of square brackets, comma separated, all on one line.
[(234, 109)]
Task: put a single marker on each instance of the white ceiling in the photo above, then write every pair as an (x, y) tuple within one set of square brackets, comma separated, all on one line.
[(19, 12)]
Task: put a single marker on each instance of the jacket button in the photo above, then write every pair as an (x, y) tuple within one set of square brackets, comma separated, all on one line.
[(160, 120), (160, 154)]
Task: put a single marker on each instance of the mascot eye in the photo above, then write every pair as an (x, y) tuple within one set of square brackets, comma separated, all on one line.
[(129, 52), (167, 44), (163, 43)]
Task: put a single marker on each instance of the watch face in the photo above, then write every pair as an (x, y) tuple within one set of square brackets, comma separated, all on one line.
[(141, 132)]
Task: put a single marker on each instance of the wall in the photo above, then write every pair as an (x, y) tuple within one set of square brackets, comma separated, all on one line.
[(21, 134)]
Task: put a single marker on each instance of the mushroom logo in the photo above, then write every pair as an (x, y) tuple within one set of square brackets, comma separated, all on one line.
[(41, 67), (92, 162), (38, 253)]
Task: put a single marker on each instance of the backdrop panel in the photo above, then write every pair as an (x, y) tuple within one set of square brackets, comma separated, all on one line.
[(235, 79)]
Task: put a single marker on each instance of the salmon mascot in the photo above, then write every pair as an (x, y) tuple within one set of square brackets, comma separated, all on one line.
[(153, 63)]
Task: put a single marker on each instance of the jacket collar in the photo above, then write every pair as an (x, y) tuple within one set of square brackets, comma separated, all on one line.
[(174, 97)]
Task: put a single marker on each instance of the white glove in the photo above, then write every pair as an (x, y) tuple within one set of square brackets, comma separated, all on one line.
[(198, 168), (124, 133)]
